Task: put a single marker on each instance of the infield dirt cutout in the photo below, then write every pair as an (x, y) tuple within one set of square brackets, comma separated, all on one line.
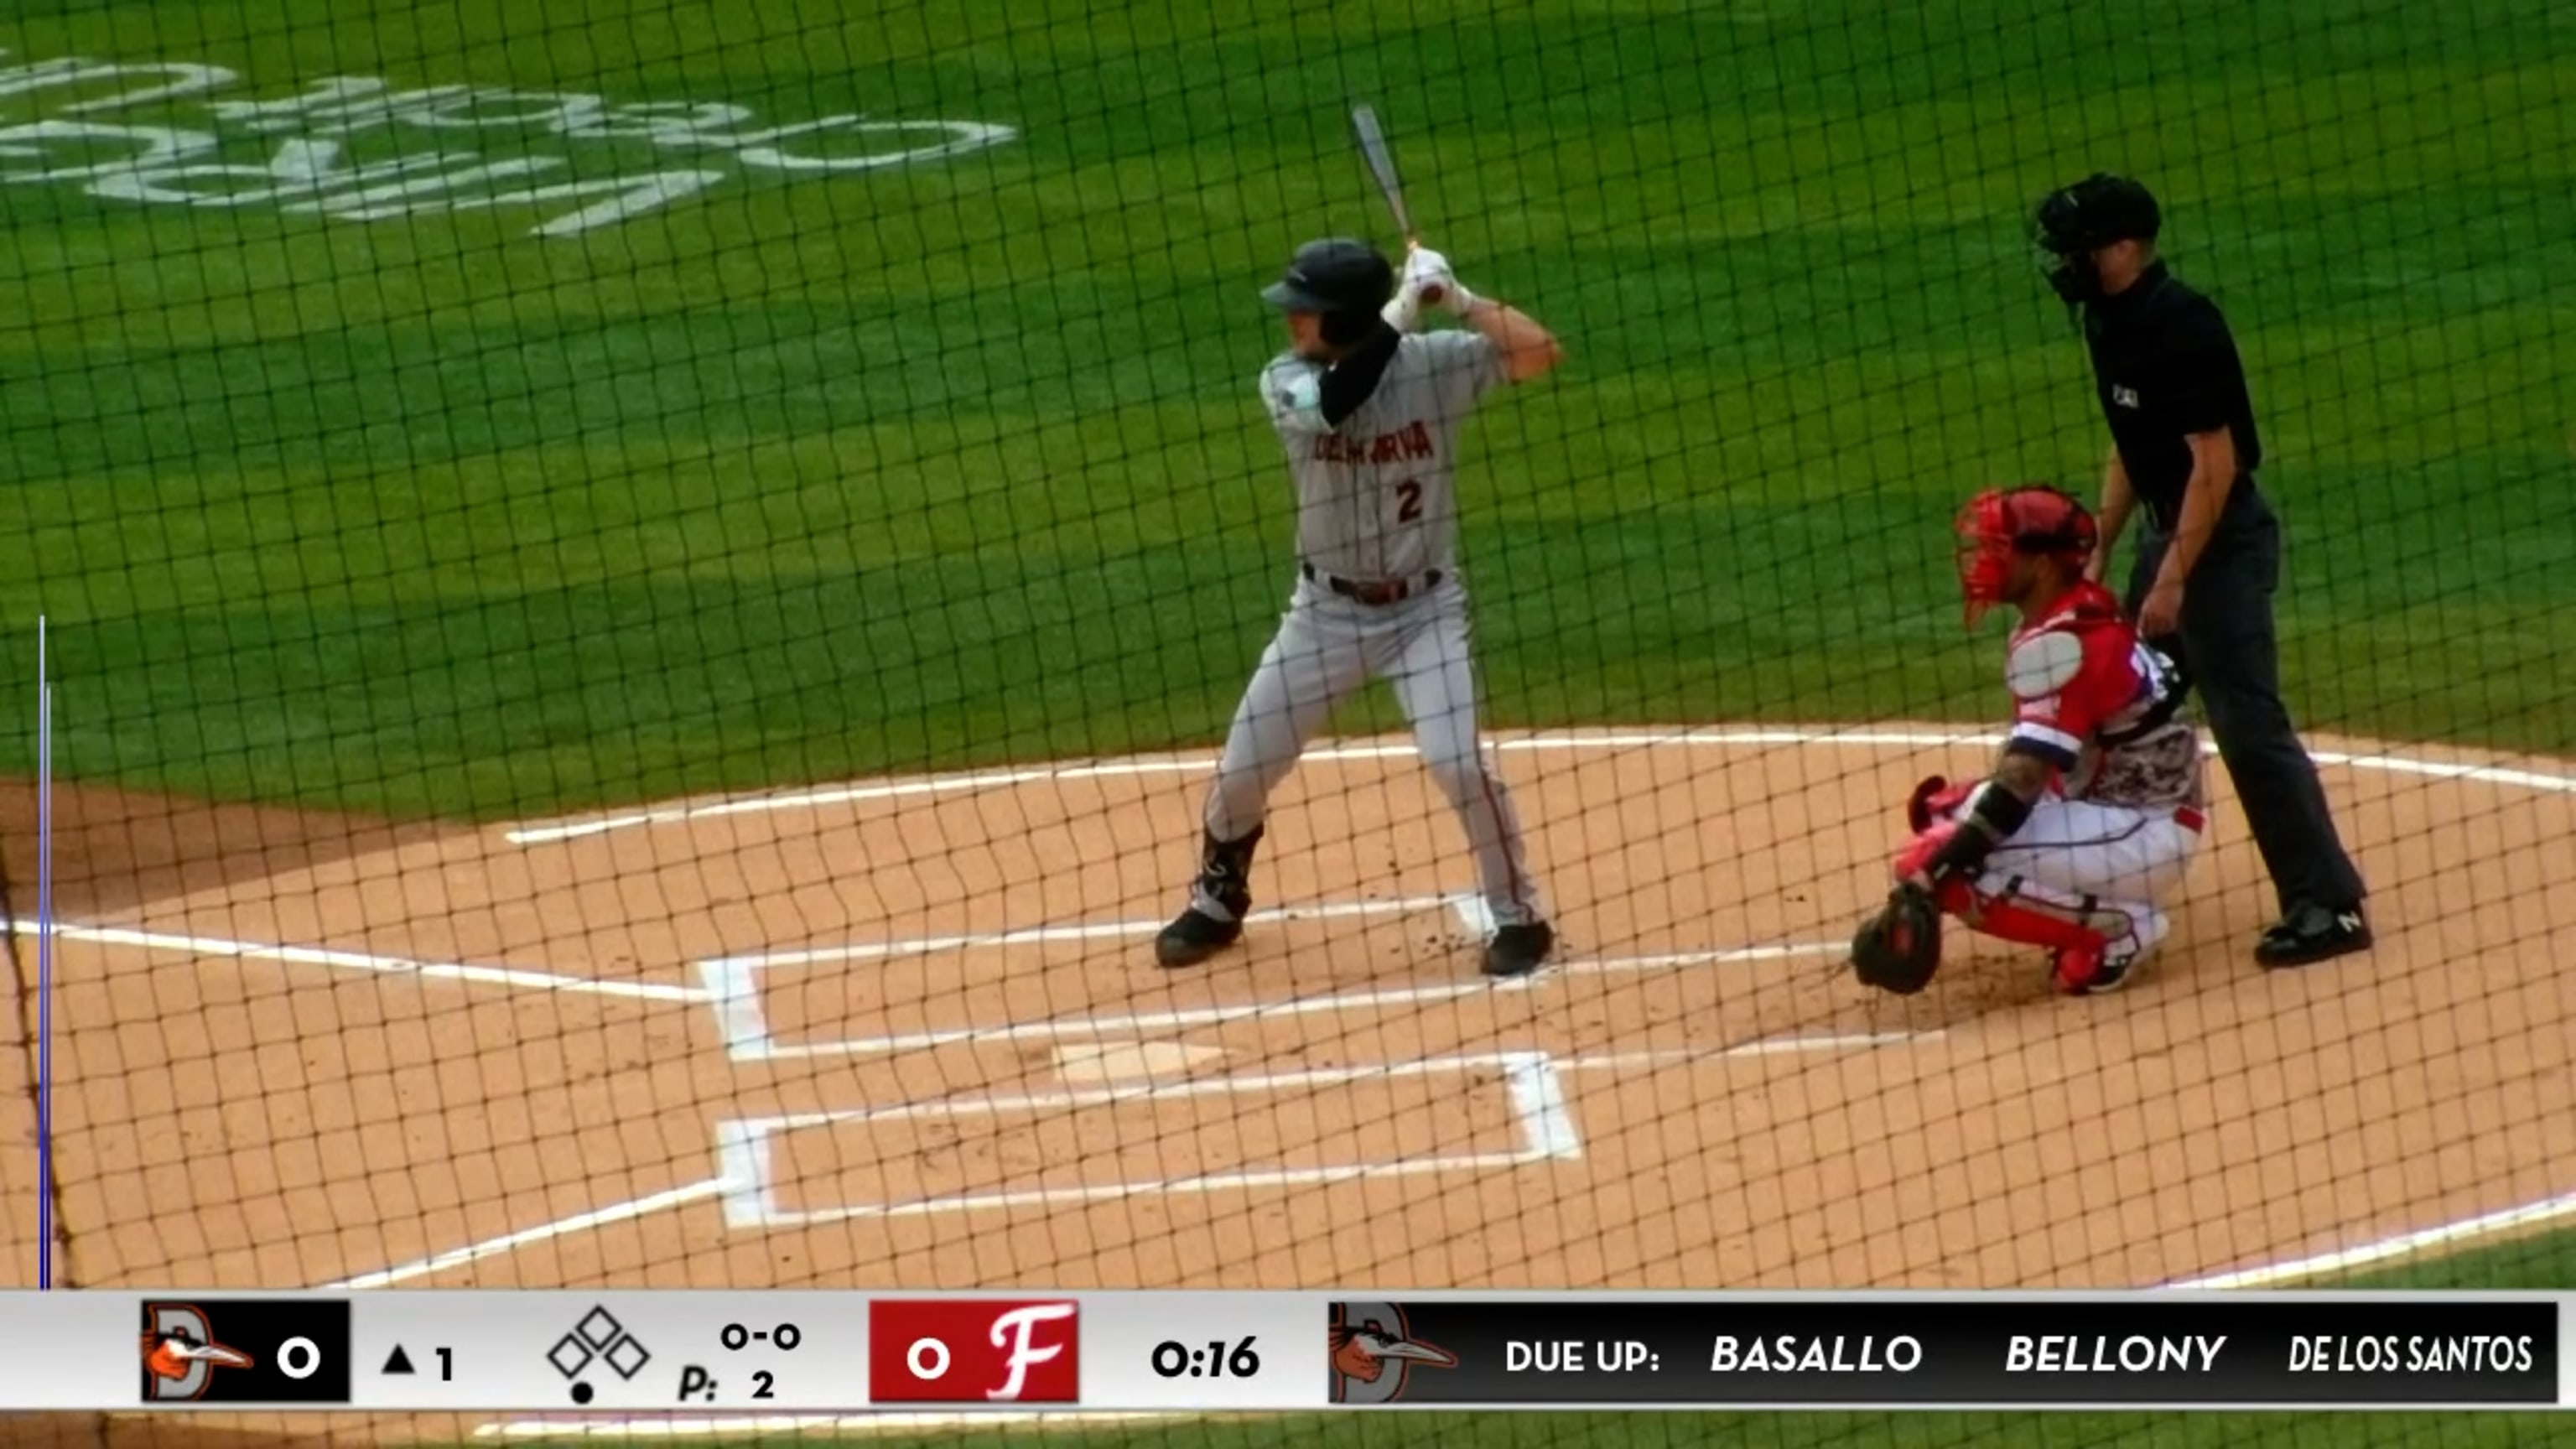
[(910, 1034)]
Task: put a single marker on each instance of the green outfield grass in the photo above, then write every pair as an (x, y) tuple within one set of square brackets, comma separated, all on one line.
[(958, 462)]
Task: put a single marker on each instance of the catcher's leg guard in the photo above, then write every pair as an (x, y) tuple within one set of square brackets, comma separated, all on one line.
[(2080, 971), (2031, 923), (2091, 946), (2005, 915)]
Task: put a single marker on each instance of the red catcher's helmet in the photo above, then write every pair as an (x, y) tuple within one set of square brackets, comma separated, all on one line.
[(1999, 524)]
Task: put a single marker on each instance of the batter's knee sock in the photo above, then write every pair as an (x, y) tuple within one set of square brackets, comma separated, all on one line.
[(1224, 885)]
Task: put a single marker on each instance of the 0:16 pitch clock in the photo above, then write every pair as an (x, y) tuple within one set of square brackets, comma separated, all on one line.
[(1211, 1360)]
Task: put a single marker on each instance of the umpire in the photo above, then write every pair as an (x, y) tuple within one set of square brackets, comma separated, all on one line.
[(2184, 448)]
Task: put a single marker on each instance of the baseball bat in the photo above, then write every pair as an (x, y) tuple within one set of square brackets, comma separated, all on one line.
[(1381, 164)]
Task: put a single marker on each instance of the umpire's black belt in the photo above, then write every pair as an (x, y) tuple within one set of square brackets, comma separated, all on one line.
[(1376, 593)]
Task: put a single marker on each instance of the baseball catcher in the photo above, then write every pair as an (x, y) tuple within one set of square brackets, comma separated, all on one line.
[(2096, 804)]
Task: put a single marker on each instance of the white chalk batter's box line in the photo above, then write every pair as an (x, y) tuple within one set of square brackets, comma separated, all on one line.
[(1705, 738), (732, 986), (1532, 1087)]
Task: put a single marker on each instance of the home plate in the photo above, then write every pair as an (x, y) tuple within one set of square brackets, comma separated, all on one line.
[(1127, 1061)]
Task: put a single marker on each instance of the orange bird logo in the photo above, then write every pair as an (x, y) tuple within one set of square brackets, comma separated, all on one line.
[(1367, 1343), (175, 1354)]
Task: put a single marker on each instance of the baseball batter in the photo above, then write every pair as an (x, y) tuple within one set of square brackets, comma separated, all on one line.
[(2095, 808), (1369, 406)]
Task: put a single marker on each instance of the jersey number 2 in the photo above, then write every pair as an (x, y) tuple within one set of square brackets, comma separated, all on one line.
[(1409, 509)]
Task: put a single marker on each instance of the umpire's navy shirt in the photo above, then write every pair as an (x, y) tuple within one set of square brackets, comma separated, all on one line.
[(2165, 367)]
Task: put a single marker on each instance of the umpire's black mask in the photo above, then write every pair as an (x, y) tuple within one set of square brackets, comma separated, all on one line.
[(2072, 222)]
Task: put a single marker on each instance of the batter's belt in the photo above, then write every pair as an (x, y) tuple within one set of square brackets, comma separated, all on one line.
[(1376, 593)]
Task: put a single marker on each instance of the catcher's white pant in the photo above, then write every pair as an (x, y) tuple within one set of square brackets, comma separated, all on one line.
[(2116, 859), (1326, 649)]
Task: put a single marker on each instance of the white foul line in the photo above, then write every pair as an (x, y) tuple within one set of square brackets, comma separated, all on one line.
[(362, 961), (510, 1242), (1110, 769), (845, 795), (2528, 1215), (1864, 739), (2483, 774)]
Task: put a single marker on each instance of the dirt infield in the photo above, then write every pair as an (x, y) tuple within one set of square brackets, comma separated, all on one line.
[(909, 1034)]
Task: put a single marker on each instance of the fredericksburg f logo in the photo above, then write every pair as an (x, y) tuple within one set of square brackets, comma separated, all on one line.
[(180, 1354), (966, 1350), (1374, 1352), (1015, 1334)]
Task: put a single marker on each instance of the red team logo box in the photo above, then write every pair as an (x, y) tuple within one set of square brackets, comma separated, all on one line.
[(973, 1351)]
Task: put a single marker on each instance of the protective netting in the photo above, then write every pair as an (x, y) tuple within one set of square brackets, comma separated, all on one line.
[(643, 600)]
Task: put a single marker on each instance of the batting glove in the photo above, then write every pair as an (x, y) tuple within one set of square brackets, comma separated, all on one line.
[(1427, 272), (1403, 311)]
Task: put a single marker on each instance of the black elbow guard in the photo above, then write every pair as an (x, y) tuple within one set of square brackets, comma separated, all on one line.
[(1994, 814), (1349, 382)]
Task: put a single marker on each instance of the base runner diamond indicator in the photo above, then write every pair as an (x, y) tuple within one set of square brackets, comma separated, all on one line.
[(599, 1338)]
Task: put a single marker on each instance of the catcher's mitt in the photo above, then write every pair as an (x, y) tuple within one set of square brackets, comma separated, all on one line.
[(1899, 948)]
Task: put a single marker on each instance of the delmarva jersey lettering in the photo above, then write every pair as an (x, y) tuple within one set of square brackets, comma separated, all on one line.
[(1377, 496)]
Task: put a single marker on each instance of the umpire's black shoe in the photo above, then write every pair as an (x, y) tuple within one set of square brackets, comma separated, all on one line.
[(1518, 950), (1194, 936), (2312, 933)]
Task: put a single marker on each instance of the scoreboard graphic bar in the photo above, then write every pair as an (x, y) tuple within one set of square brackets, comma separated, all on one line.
[(702, 1354)]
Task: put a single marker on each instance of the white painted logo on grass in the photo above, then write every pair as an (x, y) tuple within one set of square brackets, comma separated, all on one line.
[(348, 149)]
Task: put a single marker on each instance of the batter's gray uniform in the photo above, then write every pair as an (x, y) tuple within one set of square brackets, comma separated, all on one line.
[(1377, 513)]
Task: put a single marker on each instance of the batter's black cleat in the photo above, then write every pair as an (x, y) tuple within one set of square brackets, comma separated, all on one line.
[(1194, 936), (1225, 883), (2310, 934), (1518, 950)]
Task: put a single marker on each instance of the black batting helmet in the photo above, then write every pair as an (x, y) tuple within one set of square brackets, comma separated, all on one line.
[(1335, 276)]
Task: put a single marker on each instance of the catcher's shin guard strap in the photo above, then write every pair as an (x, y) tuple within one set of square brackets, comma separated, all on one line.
[(2025, 922), (2006, 917)]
